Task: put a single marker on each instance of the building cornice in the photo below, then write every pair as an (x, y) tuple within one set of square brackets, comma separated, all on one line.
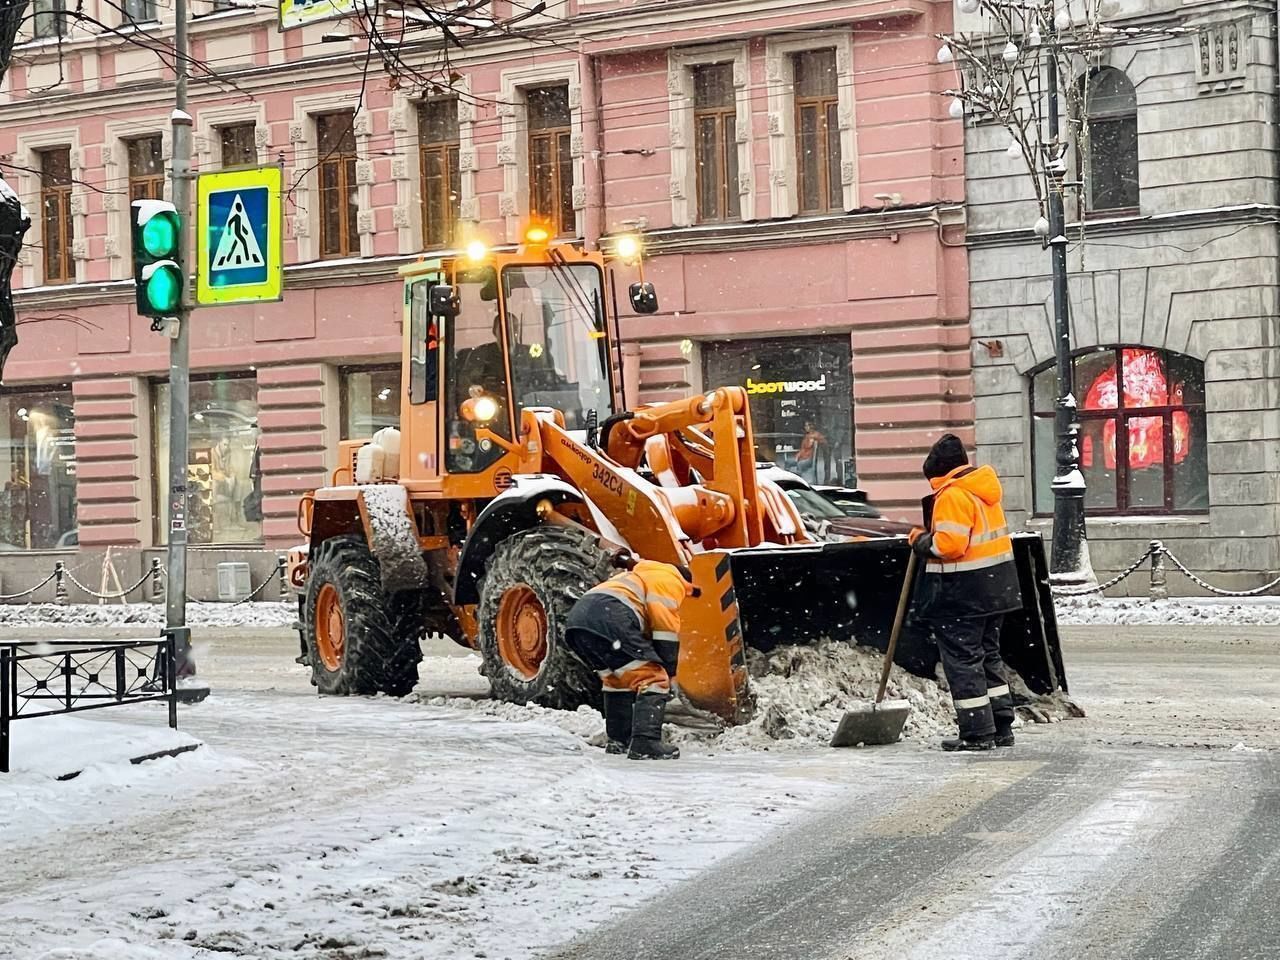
[(1137, 225)]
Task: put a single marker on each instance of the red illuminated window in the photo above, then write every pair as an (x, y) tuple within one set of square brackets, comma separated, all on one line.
[(1142, 432)]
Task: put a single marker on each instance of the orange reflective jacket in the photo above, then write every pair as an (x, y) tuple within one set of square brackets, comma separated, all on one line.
[(970, 571), (654, 591)]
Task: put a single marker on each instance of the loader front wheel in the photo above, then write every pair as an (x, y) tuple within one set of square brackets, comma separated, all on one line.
[(358, 641), (532, 582)]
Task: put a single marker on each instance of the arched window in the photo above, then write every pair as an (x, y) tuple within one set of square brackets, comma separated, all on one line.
[(1111, 142), (1142, 432)]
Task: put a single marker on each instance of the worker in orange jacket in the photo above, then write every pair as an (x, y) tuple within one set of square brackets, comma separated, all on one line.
[(970, 582), (627, 629)]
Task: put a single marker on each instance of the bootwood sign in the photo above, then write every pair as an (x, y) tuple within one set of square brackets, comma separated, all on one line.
[(787, 386)]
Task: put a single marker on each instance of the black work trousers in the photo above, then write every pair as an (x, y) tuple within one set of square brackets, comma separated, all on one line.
[(970, 651)]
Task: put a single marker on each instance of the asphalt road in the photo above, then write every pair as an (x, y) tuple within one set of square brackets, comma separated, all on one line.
[(1150, 831)]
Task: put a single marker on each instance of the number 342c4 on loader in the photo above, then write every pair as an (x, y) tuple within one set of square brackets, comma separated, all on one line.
[(516, 473)]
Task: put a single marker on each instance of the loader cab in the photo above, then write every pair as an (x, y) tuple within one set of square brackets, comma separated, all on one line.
[(487, 338)]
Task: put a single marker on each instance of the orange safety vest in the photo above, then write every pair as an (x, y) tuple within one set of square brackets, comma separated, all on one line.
[(970, 571), (653, 591)]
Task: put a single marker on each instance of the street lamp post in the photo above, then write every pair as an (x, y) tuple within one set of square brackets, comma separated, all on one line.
[(1069, 557)]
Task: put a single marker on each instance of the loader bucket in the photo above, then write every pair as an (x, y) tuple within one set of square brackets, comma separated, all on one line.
[(849, 591)]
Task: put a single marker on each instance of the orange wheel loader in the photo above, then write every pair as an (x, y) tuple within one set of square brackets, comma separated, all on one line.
[(516, 473)]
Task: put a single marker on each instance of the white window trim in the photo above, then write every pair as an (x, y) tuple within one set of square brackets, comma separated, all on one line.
[(784, 175), (513, 150), (302, 176), (208, 144), (684, 179), (31, 258), (115, 171)]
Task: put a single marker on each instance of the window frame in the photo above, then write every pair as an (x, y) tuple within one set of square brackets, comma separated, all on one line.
[(52, 12), (130, 10), (448, 153), (1110, 117), (831, 192), (345, 372), (221, 131), (58, 193), (343, 164), (30, 396), (558, 139), (1121, 415), (729, 199), (145, 186)]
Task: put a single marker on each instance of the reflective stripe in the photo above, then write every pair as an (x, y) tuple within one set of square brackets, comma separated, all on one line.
[(670, 636), (950, 526), (631, 666), (973, 703), (937, 566), (993, 535), (1000, 691), (664, 601)]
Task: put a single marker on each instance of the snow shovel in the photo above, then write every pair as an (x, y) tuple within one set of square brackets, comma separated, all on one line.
[(880, 722)]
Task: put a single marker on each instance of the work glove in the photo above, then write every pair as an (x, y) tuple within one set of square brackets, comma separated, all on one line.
[(922, 546), (914, 535)]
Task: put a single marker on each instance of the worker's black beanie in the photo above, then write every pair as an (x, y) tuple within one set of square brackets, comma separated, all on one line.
[(945, 455)]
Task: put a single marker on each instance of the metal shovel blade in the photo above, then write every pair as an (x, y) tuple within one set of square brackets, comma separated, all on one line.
[(872, 724)]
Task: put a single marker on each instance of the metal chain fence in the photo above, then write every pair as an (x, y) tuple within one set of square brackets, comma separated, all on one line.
[(61, 577), (1158, 588)]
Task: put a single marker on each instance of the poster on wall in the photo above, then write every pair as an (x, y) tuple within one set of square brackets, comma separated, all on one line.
[(299, 13)]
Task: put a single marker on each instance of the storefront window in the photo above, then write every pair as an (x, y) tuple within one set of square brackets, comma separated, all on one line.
[(224, 480), (1142, 432), (370, 400), (38, 505), (801, 395)]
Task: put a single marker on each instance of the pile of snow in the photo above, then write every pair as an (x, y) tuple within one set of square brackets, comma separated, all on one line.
[(263, 614), (1135, 611), (802, 692), (61, 746)]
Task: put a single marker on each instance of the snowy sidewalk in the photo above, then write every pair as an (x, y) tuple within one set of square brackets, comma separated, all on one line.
[(1135, 611)]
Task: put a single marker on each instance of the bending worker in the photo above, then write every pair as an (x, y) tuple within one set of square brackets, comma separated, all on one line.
[(969, 584), (627, 629)]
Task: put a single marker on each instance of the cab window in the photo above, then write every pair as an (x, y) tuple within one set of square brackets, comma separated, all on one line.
[(424, 338), (476, 368)]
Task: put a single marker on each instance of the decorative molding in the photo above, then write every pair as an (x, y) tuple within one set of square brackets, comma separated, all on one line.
[(78, 204), (1223, 52), (399, 168), (262, 135), (300, 225), (365, 222), (111, 247), (579, 197), (507, 206), (364, 172), (467, 162), (362, 125), (107, 154), (80, 248), (297, 131), (398, 119), (470, 209), (400, 217), (507, 153)]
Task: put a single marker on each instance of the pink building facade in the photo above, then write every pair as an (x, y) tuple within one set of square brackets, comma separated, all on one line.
[(791, 167)]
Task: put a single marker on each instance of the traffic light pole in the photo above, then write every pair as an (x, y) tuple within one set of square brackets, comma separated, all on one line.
[(180, 379)]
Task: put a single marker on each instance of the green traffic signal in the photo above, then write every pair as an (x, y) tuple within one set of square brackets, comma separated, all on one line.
[(158, 274), (164, 288), (160, 235)]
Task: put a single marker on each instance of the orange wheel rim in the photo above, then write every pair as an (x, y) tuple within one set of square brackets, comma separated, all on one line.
[(331, 636), (522, 631)]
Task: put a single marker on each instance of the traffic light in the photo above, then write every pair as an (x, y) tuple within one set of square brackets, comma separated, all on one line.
[(158, 277)]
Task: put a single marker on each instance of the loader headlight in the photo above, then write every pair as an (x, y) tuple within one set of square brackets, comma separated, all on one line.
[(480, 409)]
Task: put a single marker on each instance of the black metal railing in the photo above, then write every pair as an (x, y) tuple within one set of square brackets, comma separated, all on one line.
[(43, 678)]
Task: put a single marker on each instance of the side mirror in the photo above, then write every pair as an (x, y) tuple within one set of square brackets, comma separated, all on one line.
[(445, 301), (644, 299)]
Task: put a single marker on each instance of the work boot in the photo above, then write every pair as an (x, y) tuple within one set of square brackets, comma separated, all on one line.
[(966, 744), (646, 729), (618, 706), (1004, 735)]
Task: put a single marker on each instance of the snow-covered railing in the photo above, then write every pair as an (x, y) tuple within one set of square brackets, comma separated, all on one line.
[(43, 678), (1158, 588)]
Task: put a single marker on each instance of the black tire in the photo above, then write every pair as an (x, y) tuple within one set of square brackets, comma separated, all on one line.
[(380, 635), (559, 565)]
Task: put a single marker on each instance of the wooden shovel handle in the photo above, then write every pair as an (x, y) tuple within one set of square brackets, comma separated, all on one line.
[(907, 582)]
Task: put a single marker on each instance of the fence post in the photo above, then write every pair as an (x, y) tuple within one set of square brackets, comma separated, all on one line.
[(282, 568), (59, 583), (157, 582), (5, 654), (1158, 589)]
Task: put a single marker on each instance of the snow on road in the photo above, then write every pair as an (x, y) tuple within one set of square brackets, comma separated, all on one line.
[(1135, 611), (199, 614), (355, 828)]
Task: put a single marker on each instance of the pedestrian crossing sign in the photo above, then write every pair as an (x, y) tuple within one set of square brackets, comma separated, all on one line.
[(240, 245)]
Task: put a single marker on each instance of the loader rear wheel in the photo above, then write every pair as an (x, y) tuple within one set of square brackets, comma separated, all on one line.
[(359, 641), (532, 581)]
